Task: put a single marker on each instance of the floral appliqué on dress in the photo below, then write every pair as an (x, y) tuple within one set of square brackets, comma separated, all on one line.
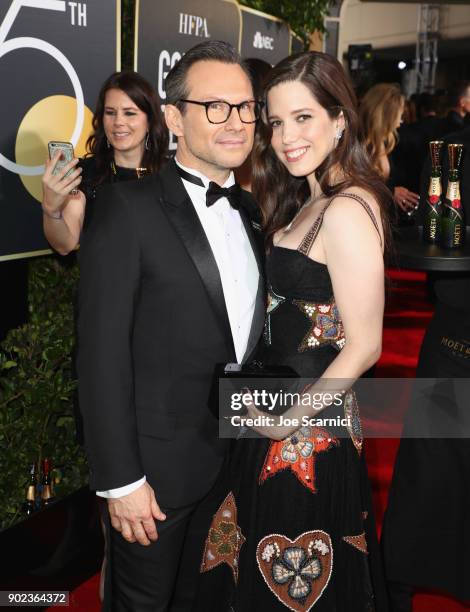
[(297, 572), (225, 538), (298, 453), (325, 325), (352, 414)]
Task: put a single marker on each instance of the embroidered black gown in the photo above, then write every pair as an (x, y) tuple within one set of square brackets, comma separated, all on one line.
[(296, 529)]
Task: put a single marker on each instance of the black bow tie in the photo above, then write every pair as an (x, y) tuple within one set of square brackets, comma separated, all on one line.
[(214, 192)]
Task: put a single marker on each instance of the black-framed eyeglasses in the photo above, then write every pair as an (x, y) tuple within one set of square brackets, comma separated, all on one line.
[(219, 111)]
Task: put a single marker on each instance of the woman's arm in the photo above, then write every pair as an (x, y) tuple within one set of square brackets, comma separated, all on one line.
[(354, 257), (62, 212), (353, 253)]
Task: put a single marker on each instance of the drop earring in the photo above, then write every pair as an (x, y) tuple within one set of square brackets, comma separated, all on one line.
[(147, 147), (108, 143), (338, 136)]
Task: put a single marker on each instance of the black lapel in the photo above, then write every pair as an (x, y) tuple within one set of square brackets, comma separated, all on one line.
[(256, 239), (181, 213)]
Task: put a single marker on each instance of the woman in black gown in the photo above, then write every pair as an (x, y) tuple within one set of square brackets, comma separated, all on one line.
[(295, 528)]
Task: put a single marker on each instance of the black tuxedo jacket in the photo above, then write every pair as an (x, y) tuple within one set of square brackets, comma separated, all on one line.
[(152, 323)]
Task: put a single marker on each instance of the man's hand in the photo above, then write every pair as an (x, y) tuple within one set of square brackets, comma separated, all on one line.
[(404, 198), (134, 515)]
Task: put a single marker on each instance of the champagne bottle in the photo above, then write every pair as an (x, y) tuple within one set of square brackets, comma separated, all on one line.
[(453, 216), (29, 506), (432, 216), (47, 495)]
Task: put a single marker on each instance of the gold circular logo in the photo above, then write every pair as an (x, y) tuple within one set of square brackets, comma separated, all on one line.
[(51, 118)]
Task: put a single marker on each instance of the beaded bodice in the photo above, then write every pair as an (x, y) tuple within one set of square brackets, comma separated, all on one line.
[(303, 326)]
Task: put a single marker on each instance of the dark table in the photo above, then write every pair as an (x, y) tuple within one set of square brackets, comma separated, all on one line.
[(412, 252)]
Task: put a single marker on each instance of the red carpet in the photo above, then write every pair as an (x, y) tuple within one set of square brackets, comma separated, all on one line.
[(407, 315)]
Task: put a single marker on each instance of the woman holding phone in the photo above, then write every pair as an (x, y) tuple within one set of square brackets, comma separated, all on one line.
[(129, 140)]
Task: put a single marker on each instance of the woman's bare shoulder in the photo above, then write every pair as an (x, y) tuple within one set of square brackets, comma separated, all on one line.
[(344, 208)]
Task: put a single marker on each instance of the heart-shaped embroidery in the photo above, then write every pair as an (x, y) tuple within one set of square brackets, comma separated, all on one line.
[(298, 571)]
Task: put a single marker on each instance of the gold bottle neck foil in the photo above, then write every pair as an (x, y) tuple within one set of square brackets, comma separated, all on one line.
[(435, 148), (46, 492), (455, 156)]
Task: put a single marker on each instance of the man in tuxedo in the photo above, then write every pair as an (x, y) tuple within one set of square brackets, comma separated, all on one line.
[(171, 284)]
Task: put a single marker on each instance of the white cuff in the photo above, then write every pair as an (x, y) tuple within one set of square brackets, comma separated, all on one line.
[(121, 491)]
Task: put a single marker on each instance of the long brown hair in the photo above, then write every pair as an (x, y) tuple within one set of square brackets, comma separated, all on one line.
[(378, 112), (280, 194), (143, 95)]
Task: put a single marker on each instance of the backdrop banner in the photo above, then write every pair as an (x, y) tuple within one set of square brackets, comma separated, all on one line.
[(264, 37), (296, 43), (54, 57), (165, 31)]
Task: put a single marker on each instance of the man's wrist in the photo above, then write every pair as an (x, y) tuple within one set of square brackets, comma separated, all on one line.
[(122, 491)]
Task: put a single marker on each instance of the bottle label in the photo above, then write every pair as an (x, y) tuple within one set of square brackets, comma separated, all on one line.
[(433, 228), (453, 194), (457, 238), (435, 190)]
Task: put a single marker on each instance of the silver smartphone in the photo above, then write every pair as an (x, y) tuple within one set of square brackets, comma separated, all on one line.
[(66, 149)]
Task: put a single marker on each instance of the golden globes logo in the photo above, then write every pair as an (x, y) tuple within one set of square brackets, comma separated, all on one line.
[(55, 117)]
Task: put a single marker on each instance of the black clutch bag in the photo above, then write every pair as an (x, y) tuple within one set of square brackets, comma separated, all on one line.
[(234, 378)]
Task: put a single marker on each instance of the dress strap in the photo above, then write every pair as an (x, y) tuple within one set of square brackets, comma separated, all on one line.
[(309, 238)]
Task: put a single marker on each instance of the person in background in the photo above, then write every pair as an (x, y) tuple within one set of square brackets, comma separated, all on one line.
[(129, 139), (258, 69), (459, 107), (380, 112), (410, 110), (412, 149), (429, 497)]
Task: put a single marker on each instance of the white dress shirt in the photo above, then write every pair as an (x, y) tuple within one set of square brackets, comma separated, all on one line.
[(237, 266)]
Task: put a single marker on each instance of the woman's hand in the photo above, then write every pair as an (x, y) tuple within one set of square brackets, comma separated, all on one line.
[(404, 198), (274, 426), (56, 189)]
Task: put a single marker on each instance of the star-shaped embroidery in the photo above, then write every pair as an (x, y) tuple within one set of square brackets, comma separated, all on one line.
[(298, 454), (225, 538), (358, 541), (326, 326), (274, 301)]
